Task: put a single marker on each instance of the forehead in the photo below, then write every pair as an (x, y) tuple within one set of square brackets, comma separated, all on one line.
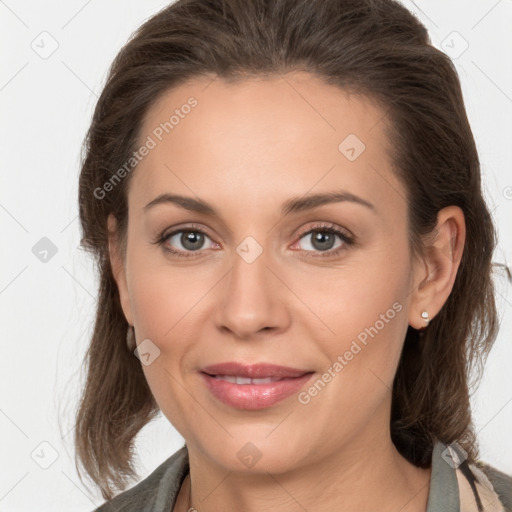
[(263, 137)]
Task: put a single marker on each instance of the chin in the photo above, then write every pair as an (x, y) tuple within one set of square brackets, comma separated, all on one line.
[(255, 454)]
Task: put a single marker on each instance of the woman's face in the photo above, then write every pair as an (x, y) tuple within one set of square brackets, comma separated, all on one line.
[(266, 283)]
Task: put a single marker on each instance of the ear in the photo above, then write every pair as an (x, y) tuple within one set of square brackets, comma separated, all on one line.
[(118, 267), (435, 274)]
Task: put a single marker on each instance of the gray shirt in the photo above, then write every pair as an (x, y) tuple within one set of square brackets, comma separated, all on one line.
[(455, 486)]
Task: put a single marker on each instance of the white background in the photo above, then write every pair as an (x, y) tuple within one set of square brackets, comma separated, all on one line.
[(47, 308)]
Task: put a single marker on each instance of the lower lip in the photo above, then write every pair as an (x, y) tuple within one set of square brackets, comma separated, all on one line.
[(254, 396)]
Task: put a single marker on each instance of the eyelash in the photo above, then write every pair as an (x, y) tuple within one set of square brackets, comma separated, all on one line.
[(321, 228)]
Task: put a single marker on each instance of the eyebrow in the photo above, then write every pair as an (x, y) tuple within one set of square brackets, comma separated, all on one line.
[(293, 205)]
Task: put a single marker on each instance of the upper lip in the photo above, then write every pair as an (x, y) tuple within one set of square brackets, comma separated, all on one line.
[(253, 371)]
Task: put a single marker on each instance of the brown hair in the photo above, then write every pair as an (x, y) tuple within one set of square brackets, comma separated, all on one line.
[(375, 48)]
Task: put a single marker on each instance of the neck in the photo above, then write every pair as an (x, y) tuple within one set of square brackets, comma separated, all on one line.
[(363, 477)]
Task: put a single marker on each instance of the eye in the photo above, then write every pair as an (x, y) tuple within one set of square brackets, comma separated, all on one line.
[(185, 240), (319, 240), (322, 239)]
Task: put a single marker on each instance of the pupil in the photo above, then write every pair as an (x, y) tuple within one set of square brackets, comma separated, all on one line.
[(192, 240), (323, 240)]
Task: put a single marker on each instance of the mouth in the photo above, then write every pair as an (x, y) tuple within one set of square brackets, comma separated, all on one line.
[(253, 387), (246, 380), (253, 371)]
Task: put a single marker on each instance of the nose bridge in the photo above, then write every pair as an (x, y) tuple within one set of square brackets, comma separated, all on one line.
[(251, 299)]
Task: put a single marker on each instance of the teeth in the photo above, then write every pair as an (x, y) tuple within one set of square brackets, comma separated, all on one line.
[(245, 380), (266, 380), (227, 378)]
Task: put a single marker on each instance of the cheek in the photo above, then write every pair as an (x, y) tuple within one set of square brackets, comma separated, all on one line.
[(367, 346), (358, 376), (164, 302), (163, 297), (364, 310), (346, 301)]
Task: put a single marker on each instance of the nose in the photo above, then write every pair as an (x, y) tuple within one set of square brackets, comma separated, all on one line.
[(252, 299)]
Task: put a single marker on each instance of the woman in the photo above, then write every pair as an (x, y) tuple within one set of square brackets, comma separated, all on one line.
[(283, 198)]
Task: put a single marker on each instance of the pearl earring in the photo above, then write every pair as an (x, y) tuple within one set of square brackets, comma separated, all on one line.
[(425, 317), (130, 338)]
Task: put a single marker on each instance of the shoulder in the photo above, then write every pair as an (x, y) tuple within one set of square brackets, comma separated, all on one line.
[(484, 488), (157, 492), (460, 484), (501, 483)]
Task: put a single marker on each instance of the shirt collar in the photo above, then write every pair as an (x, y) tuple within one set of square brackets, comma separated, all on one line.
[(444, 490)]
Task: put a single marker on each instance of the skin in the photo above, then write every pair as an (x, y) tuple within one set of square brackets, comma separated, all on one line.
[(246, 148)]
